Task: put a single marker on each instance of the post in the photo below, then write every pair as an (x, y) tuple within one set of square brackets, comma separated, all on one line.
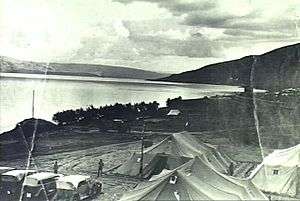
[(187, 122), (142, 151), (33, 104)]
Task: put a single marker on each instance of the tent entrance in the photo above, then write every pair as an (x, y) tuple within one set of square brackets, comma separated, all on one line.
[(157, 164), (163, 161)]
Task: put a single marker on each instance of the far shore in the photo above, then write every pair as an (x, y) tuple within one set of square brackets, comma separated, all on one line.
[(95, 78)]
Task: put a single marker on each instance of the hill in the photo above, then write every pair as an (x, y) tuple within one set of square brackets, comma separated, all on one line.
[(18, 141), (26, 128), (10, 65), (277, 69)]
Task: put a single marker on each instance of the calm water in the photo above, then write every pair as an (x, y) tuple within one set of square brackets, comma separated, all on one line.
[(53, 95)]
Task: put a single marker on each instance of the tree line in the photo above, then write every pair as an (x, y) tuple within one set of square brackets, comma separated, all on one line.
[(128, 112)]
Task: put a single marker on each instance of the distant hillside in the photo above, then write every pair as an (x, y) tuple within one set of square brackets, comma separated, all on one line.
[(277, 69), (25, 129), (10, 65), (17, 142)]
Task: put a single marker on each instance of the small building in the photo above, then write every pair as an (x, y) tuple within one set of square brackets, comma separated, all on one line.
[(174, 112)]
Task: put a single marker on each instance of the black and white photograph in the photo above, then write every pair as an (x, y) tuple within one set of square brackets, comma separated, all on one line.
[(149, 100)]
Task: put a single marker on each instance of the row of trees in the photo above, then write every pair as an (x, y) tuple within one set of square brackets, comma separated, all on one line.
[(127, 112), (173, 102)]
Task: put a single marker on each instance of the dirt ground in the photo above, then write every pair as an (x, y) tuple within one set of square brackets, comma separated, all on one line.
[(85, 161)]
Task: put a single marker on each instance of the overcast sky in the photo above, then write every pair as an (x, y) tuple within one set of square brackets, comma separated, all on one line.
[(159, 35)]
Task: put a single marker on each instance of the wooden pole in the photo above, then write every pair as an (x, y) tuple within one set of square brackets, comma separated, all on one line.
[(33, 103), (142, 152)]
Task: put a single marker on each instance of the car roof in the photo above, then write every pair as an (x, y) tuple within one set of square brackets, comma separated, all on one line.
[(19, 174), (74, 180), (5, 169), (44, 175)]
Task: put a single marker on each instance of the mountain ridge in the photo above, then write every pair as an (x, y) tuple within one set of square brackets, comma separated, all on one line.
[(11, 65), (276, 69)]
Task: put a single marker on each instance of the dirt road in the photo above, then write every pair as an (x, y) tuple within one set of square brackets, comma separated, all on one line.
[(86, 162)]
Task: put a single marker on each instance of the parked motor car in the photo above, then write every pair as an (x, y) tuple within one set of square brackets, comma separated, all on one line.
[(5, 169), (40, 186), (12, 182), (77, 187)]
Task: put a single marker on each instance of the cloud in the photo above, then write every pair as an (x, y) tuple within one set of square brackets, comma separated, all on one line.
[(146, 33), (259, 15), (178, 7), (208, 19), (242, 34), (193, 46), (175, 34), (136, 45), (47, 30)]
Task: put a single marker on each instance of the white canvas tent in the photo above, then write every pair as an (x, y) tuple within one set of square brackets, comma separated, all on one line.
[(194, 180), (152, 164), (279, 172), (172, 152), (186, 145)]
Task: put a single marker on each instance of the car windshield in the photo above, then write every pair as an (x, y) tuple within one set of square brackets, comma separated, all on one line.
[(65, 185), (31, 182)]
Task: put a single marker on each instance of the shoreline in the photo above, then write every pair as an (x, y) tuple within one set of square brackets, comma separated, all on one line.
[(146, 91), (99, 79)]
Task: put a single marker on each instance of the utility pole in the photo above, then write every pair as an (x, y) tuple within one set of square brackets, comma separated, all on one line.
[(142, 151), (33, 103)]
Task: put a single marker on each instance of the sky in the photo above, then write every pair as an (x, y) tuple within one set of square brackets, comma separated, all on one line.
[(160, 35)]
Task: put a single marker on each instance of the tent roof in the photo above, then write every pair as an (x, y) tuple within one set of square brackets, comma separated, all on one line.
[(194, 180), (152, 164), (284, 157), (184, 144), (172, 152)]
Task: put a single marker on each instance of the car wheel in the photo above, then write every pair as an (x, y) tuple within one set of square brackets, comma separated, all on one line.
[(76, 197), (96, 190)]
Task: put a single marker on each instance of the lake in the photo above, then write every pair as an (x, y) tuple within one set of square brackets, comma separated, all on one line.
[(56, 93)]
